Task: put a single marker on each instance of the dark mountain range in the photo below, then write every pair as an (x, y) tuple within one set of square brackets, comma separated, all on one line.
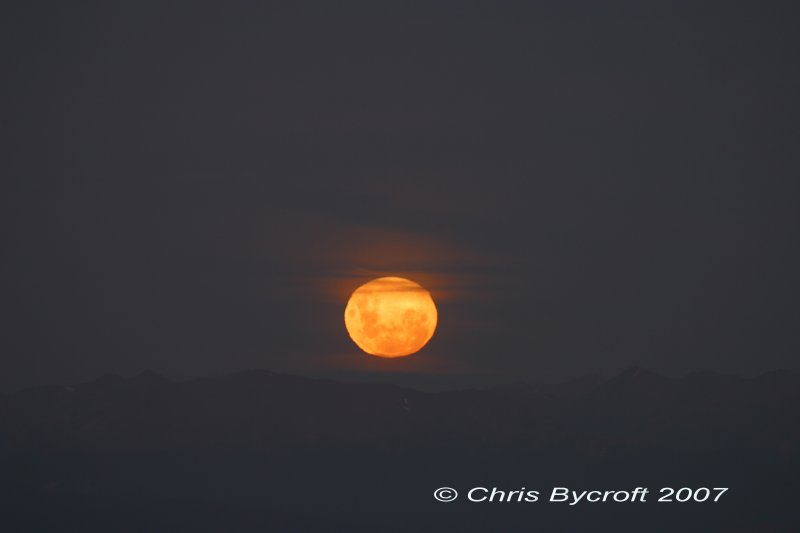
[(263, 411), (258, 451)]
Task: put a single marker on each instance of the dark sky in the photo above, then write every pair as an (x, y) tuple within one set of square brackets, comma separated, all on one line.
[(582, 186)]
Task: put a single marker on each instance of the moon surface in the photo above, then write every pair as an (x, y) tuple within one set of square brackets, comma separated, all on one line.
[(390, 317)]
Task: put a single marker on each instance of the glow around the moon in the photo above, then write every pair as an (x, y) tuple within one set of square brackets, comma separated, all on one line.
[(390, 317)]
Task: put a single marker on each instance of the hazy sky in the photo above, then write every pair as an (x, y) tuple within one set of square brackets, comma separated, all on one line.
[(582, 186)]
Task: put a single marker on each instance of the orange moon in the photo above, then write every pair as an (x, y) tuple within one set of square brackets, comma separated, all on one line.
[(390, 317)]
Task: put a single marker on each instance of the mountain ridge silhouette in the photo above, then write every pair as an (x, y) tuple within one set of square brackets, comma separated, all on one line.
[(263, 410)]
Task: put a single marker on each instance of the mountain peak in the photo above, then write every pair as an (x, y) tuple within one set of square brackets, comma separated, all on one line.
[(637, 372), (149, 376)]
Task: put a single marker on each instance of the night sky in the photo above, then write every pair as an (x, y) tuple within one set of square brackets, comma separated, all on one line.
[(582, 186)]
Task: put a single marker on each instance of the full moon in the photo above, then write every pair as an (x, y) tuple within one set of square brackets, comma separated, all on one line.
[(390, 317)]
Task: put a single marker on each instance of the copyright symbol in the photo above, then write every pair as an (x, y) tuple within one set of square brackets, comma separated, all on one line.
[(445, 494)]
